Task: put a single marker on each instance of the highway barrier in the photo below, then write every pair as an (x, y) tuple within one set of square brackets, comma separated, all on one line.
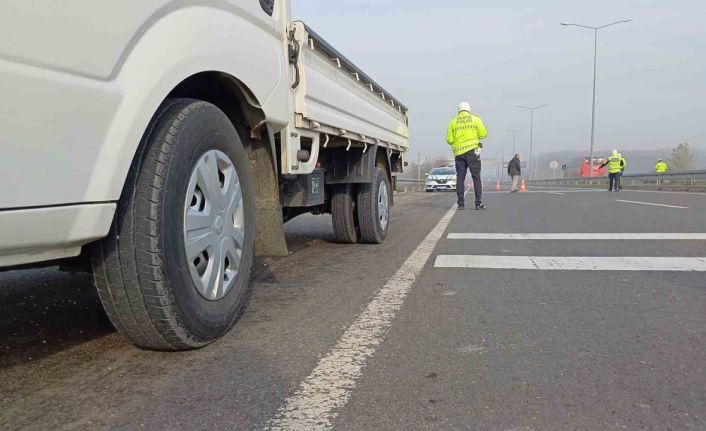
[(404, 185), (694, 181)]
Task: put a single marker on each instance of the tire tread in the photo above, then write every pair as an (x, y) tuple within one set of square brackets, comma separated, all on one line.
[(370, 231), (127, 264), (343, 217)]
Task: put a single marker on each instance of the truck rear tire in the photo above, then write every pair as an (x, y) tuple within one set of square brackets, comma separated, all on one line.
[(173, 272), (374, 208), (343, 214)]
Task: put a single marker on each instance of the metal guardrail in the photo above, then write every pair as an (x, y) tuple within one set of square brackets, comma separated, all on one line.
[(409, 185), (683, 181)]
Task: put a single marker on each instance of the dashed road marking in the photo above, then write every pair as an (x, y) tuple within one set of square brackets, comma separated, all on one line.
[(579, 236), (651, 204), (562, 263), (318, 399)]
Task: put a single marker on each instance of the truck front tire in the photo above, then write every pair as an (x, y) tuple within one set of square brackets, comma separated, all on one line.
[(374, 208), (173, 272)]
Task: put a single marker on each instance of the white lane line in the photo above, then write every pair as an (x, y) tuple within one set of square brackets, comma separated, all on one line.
[(702, 194), (578, 189), (579, 236), (317, 400), (651, 204), (546, 191), (556, 193), (560, 263)]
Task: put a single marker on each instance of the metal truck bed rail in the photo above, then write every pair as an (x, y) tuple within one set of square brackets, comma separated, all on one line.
[(333, 53)]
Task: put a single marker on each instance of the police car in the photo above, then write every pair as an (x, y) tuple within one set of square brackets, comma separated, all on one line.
[(441, 179)]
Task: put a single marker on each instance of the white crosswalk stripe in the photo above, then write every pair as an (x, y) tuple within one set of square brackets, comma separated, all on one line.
[(578, 236), (652, 204), (561, 263)]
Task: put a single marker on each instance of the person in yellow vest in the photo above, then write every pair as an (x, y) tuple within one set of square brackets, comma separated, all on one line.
[(464, 134), (661, 167), (622, 170), (615, 166)]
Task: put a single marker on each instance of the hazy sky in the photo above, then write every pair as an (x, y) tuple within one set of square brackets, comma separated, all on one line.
[(433, 54)]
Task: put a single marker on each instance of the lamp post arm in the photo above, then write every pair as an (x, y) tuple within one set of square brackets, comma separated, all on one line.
[(622, 21)]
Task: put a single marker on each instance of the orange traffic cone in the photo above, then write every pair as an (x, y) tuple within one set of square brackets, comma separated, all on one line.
[(497, 186), (523, 187)]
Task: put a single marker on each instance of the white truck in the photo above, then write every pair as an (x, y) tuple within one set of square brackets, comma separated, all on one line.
[(168, 141)]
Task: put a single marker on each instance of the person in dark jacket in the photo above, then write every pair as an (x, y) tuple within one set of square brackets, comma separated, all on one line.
[(514, 170)]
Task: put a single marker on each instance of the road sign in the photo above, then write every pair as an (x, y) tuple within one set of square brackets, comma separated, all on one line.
[(554, 165)]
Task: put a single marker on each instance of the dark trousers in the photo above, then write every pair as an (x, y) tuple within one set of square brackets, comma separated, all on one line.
[(620, 180), (614, 181), (464, 163)]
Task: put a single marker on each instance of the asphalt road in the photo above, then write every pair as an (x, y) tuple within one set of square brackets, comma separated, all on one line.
[(456, 349)]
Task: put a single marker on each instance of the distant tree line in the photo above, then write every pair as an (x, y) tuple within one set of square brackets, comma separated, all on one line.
[(428, 163), (682, 158)]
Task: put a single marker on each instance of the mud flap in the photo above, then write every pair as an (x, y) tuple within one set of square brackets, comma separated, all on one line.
[(269, 240)]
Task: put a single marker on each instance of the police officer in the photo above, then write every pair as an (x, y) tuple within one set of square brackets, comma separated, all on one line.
[(464, 134), (622, 170), (661, 167), (615, 165)]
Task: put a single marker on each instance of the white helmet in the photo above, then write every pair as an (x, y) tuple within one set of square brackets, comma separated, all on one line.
[(464, 106), (615, 152)]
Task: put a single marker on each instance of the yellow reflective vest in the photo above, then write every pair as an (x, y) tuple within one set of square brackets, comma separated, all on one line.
[(624, 162), (615, 164), (661, 167), (465, 132)]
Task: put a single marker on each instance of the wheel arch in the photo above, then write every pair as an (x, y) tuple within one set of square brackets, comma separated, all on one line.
[(241, 106), (227, 93), (249, 119), (382, 160)]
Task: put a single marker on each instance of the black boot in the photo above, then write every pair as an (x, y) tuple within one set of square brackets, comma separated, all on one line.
[(481, 206)]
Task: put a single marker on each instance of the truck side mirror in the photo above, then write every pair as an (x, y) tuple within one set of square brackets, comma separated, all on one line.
[(406, 164)]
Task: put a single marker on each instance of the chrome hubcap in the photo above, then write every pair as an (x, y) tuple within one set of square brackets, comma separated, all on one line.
[(383, 205), (214, 225)]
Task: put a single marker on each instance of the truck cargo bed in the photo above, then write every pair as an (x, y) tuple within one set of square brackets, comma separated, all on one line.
[(334, 96)]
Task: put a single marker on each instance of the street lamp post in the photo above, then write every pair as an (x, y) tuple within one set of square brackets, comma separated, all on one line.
[(501, 162), (595, 60), (531, 109), (514, 135)]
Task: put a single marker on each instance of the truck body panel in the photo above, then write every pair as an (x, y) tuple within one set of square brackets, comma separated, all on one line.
[(82, 132), (93, 39)]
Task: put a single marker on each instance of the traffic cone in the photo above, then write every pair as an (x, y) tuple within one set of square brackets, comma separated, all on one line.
[(523, 187), (497, 186)]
